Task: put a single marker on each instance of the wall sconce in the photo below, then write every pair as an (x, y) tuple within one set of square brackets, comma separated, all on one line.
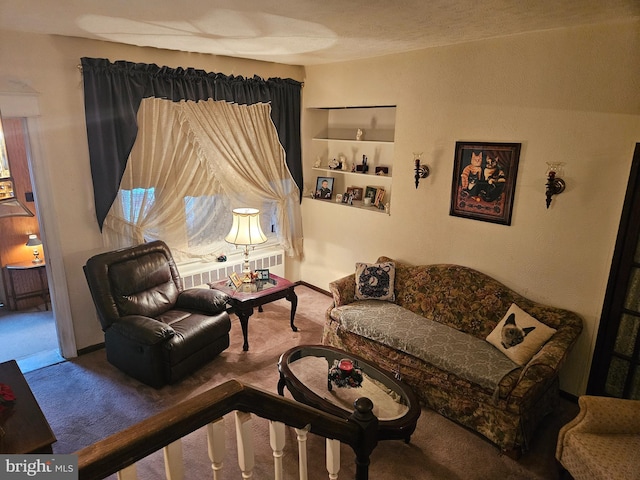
[(35, 242), (555, 184), (421, 171)]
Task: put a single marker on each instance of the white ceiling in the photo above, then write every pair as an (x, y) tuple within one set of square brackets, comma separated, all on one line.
[(304, 32)]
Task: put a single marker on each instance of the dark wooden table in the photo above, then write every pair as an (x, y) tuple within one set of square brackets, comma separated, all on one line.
[(250, 295), (396, 427), (26, 430), (23, 269)]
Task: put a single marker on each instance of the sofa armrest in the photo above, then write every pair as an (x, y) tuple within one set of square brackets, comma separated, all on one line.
[(545, 365), (343, 290), (208, 301), (141, 329)]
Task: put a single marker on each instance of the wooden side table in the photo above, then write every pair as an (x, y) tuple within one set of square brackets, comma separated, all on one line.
[(26, 429), (16, 269), (249, 295)]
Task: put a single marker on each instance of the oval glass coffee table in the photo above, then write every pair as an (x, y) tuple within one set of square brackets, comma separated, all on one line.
[(312, 374)]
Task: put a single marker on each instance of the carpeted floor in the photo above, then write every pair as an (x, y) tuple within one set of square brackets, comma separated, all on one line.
[(30, 337), (86, 399)]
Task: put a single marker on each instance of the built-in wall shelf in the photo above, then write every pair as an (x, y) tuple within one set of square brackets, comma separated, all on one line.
[(356, 204), (348, 135), (353, 140), (360, 175)]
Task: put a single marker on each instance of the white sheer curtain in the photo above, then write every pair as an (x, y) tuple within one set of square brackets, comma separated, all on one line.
[(192, 163)]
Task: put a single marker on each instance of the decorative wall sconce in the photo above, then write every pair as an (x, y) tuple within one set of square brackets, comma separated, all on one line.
[(555, 184), (34, 242), (421, 171)]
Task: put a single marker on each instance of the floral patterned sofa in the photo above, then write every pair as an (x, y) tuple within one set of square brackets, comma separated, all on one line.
[(398, 334)]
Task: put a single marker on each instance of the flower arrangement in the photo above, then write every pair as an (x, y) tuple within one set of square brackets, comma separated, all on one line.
[(345, 374), (7, 398)]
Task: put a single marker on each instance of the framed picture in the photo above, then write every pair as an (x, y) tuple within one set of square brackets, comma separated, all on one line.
[(347, 198), (262, 273), (324, 188), (370, 192), (235, 279), (357, 192), (484, 180)]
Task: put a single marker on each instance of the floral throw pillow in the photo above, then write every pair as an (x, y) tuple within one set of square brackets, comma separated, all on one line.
[(375, 281), (519, 336)]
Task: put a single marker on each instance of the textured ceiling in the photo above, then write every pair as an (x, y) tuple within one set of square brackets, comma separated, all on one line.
[(304, 32)]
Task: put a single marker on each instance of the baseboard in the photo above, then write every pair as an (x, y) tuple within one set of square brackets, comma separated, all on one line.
[(91, 348), (313, 287), (569, 396)]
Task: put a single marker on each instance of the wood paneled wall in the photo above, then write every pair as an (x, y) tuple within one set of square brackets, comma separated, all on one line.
[(14, 230)]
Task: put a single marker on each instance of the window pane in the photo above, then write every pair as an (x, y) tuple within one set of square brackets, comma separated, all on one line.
[(616, 377), (204, 223), (635, 385), (632, 301), (137, 202), (627, 335)]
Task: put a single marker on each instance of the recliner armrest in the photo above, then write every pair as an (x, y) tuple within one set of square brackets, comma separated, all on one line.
[(204, 300), (141, 329)]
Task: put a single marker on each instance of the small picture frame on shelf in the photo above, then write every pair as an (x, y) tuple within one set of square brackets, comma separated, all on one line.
[(379, 197), (357, 193), (235, 279), (262, 274), (347, 198), (370, 192), (324, 188), (382, 171), (338, 198)]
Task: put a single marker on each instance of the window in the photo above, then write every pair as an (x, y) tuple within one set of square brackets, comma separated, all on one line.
[(136, 202)]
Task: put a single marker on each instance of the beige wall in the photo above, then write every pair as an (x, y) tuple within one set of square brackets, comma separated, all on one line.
[(569, 95), (48, 65)]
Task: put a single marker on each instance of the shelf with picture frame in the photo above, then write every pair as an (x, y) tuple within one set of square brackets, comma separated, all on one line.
[(349, 194), (342, 137)]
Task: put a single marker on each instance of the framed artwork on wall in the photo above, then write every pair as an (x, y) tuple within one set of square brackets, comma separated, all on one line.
[(484, 180), (324, 188)]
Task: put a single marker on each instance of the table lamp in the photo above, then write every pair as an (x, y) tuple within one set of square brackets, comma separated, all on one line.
[(34, 242), (245, 231)]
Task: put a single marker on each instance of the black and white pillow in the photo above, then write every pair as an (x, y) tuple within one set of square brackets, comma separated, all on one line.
[(375, 281)]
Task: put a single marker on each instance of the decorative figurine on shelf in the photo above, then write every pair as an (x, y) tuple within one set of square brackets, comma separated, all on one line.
[(334, 164), (359, 134), (343, 162), (365, 164), (345, 374), (318, 162)]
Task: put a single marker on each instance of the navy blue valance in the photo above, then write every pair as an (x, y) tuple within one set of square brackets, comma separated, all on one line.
[(113, 92)]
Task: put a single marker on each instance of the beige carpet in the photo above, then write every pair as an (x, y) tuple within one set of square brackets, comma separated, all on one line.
[(87, 399)]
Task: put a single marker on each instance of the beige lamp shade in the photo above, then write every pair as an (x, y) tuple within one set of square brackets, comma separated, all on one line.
[(245, 229)]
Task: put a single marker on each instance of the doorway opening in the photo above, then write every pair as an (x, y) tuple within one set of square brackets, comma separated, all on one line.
[(27, 320)]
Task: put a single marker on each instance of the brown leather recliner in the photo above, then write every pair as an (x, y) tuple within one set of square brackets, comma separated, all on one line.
[(155, 331)]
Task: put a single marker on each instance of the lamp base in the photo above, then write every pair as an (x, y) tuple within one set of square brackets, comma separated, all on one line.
[(246, 268)]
